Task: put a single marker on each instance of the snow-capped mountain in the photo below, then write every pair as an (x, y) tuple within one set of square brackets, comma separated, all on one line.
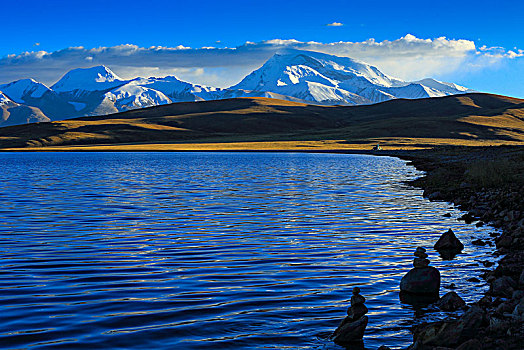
[(4, 100), (328, 79), (301, 76), (32, 93), (97, 78), (12, 113)]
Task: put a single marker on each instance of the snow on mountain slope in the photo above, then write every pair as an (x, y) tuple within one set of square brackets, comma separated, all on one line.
[(4, 100), (180, 91), (97, 78), (19, 90), (443, 87), (326, 78), (32, 93), (132, 95)]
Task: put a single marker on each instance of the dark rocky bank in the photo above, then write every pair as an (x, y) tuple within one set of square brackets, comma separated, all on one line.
[(487, 183)]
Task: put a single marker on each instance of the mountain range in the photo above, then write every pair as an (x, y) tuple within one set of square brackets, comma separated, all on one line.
[(299, 76)]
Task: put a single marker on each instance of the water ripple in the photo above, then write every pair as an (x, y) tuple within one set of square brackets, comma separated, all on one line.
[(212, 250)]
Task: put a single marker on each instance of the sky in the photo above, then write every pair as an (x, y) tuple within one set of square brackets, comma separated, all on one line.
[(477, 44)]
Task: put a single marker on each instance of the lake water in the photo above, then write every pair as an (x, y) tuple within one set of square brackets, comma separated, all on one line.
[(213, 250)]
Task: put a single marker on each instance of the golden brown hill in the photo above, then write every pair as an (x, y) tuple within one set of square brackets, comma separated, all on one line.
[(470, 119)]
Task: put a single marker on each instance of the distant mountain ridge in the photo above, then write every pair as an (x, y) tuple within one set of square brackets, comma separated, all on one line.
[(299, 76)]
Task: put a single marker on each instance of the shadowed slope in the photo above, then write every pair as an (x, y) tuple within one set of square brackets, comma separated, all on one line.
[(458, 119)]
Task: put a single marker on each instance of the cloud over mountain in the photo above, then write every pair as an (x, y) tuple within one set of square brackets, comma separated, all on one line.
[(408, 57)]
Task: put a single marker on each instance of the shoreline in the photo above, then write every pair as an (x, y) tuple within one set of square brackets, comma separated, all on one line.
[(487, 184)]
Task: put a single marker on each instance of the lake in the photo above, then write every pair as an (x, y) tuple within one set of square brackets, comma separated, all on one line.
[(154, 250)]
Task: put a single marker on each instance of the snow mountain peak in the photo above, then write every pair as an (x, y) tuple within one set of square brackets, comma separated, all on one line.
[(329, 79), (98, 78)]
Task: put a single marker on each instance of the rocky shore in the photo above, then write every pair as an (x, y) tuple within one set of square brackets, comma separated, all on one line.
[(487, 183)]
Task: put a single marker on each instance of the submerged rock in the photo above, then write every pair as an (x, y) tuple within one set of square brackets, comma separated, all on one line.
[(451, 301), (448, 241)]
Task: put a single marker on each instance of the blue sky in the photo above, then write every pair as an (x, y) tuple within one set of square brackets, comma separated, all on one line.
[(54, 26)]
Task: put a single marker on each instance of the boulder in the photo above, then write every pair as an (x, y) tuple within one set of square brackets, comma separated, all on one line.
[(451, 301), (503, 286), (424, 280), (448, 241), (350, 331), (452, 333)]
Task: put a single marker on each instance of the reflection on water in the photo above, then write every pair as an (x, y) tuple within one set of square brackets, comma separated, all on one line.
[(212, 250)]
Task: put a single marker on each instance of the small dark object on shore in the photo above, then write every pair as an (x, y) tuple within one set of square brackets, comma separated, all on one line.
[(450, 286), (351, 329), (473, 279), (447, 215), (488, 263)]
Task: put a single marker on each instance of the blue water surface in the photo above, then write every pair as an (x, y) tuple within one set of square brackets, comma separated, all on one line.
[(192, 250)]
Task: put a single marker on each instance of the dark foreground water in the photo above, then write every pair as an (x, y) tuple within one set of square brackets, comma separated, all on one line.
[(212, 250)]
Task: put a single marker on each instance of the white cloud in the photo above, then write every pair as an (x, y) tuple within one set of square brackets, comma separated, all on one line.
[(408, 58), (335, 24)]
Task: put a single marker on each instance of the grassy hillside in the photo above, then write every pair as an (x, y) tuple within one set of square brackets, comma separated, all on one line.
[(471, 119)]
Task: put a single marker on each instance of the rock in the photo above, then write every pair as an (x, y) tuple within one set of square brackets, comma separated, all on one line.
[(504, 242), (349, 332), (451, 301), (518, 295), (450, 286), (425, 280), (488, 263), (503, 308), (420, 263), (478, 242), (419, 250), (468, 218), (503, 286), (421, 255), (352, 328), (472, 344), (357, 299), (383, 347), (448, 241), (485, 301), (473, 279), (519, 309), (357, 311), (498, 325), (447, 215), (435, 196), (479, 224)]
